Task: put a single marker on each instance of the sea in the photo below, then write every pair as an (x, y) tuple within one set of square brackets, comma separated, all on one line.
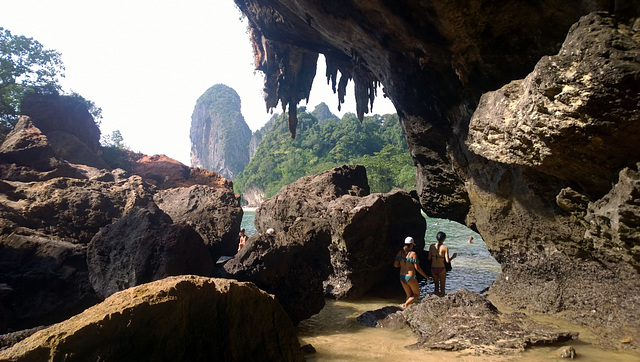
[(473, 269), (336, 335)]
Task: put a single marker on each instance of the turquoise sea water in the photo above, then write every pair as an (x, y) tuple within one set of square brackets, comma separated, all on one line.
[(474, 268)]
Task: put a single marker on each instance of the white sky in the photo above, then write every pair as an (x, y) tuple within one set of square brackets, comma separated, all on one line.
[(146, 62)]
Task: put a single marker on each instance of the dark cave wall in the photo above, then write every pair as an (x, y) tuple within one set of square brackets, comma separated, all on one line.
[(554, 232)]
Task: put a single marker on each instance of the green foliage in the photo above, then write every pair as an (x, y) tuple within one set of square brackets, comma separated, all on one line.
[(25, 66), (114, 140), (116, 153), (377, 143)]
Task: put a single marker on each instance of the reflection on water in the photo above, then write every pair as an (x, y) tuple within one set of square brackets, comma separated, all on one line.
[(337, 336)]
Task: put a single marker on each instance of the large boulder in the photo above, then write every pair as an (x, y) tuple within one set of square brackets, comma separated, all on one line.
[(143, 246), (292, 265), (44, 280), (367, 233), (27, 155), (71, 209), (366, 230), (44, 229), (70, 128), (309, 195), (555, 178), (184, 318), (166, 173), (464, 320), (215, 213), (53, 202)]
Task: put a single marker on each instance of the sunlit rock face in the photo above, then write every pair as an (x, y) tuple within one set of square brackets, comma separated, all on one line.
[(181, 318), (219, 135), (546, 168)]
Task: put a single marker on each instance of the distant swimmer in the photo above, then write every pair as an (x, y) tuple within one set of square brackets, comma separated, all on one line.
[(470, 240)]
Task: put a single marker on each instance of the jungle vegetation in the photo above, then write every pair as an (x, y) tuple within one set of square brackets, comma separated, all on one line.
[(323, 141)]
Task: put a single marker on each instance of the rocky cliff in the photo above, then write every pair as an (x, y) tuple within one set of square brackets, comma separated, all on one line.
[(219, 135), (545, 167), (72, 231)]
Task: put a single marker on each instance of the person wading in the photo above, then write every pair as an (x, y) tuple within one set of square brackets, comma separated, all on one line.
[(438, 254), (407, 261)]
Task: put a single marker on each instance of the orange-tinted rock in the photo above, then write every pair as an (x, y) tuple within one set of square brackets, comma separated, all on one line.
[(165, 173)]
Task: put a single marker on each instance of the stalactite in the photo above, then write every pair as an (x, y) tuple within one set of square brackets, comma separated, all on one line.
[(289, 72), (331, 72), (365, 88)]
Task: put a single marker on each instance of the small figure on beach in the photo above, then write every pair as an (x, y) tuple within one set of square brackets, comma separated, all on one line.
[(470, 240), (438, 254), (407, 261), (243, 239)]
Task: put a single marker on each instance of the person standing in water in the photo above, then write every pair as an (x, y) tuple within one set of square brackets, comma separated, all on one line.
[(438, 254), (243, 239), (407, 261)]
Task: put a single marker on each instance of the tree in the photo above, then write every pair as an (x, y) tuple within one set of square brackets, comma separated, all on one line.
[(115, 140), (377, 142), (25, 66)]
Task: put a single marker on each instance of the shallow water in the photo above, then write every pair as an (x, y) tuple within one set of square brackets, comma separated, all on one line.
[(473, 269), (337, 336)]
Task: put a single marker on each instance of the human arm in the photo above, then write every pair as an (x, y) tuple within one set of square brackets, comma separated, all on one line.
[(396, 261), (447, 257), (419, 269)]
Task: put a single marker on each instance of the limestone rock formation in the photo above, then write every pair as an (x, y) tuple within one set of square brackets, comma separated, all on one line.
[(366, 230), (185, 318), (215, 213), (50, 209), (510, 172), (143, 246), (567, 128), (69, 127), (291, 265), (49, 212), (583, 99), (165, 173), (464, 320), (219, 135)]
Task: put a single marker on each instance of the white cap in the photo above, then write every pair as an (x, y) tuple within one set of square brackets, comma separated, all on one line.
[(270, 231), (408, 240)]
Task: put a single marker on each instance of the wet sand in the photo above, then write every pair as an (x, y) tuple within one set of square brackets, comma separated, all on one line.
[(337, 336)]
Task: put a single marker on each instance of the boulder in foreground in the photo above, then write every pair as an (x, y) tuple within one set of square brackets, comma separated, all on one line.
[(185, 318), (464, 320)]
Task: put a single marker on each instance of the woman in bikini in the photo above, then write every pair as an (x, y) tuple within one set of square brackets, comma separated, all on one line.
[(407, 261), (438, 254), (243, 239)]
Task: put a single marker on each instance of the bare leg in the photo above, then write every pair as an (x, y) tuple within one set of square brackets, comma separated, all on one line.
[(442, 280), (414, 290), (407, 291), (436, 283)]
